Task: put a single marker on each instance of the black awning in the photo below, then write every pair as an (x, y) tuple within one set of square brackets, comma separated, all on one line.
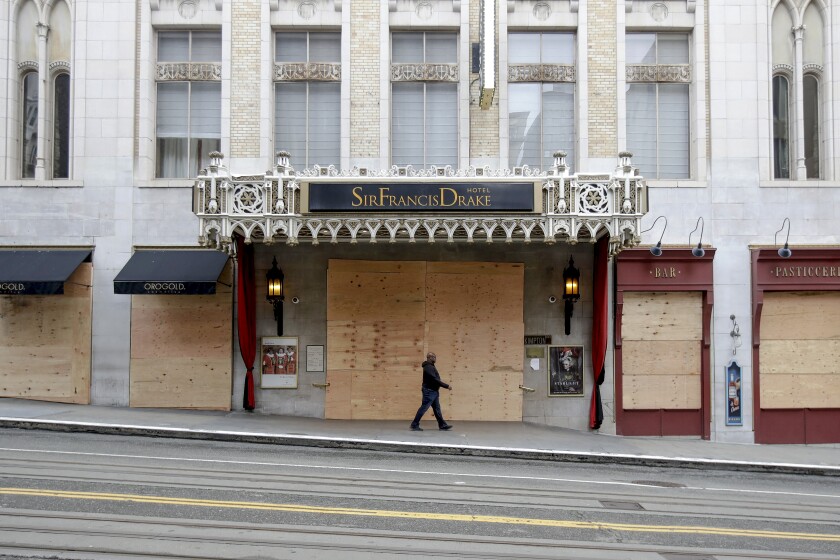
[(183, 272), (38, 272)]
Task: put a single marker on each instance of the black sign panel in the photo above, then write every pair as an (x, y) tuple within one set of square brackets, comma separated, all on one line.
[(38, 272), (182, 272), (537, 339), (422, 197)]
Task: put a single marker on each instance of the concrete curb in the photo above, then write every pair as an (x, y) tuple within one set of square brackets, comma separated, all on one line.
[(417, 447)]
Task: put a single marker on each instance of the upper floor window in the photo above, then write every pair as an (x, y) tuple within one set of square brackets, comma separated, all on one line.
[(796, 86), (658, 77), (541, 97), (189, 101), (424, 99), (307, 97), (43, 51)]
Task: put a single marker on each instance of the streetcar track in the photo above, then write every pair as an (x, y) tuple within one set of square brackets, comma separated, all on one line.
[(278, 536), (330, 487), (415, 491)]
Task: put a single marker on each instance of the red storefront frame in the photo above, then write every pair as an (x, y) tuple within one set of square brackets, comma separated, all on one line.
[(793, 425), (676, 270)]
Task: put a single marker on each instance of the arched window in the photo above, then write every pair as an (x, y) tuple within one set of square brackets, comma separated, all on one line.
[(798, 44), (29, 125), (781, 127), (43, 49), (61, 126)]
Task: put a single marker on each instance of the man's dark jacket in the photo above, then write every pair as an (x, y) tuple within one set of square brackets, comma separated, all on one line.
[(431, 377)]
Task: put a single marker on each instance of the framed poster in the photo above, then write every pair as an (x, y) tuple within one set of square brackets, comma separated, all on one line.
[(565, 371), (279, 362), (733, 394)]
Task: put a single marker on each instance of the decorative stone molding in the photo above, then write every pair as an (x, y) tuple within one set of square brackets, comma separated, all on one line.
[(154, 5), (28, 65), (541, 73), (59, 65), (813, 68), (188, 71), (675, 73), (786, 69), (424, 72), (310, 71), (575, 208)]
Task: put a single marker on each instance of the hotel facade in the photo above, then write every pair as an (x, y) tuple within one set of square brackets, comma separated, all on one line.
[(600, 215)]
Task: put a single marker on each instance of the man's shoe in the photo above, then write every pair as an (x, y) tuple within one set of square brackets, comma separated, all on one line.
[(447, 427), (416, 429)]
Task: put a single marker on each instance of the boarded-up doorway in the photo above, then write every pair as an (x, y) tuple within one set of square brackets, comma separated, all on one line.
[(661, 382), (383, 316)]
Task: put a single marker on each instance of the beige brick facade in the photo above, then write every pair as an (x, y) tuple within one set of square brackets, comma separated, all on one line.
[(484, 123), (601, 80), (244, 87), (364, 78)]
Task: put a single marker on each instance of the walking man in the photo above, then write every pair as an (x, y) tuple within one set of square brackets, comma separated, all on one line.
[(431, 397)]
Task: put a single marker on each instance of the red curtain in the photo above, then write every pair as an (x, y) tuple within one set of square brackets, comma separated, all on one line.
[(246, 315), (600, 324)]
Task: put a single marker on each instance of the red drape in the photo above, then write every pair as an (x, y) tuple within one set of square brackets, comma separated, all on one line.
[(600, 325), (246, 315)]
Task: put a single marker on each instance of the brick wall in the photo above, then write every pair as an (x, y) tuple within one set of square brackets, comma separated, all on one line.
[(245, 82), (364, 78), (601, 45)]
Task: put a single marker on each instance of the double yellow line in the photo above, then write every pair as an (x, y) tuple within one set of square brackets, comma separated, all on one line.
[(628, 527)]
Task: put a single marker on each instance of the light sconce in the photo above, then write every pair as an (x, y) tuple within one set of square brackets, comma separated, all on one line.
[(274, 295), (785, 251), (571, 291), (698, 251), (657, 250)]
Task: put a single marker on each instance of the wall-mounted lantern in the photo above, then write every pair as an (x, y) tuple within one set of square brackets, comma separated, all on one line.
[(571, 291), (274, 294)]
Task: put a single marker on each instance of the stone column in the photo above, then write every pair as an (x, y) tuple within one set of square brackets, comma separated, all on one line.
[(245, 80), (43, 82), (365, 16), (800, 173)]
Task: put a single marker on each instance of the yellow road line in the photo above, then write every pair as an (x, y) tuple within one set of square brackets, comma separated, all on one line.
[(421, 515)]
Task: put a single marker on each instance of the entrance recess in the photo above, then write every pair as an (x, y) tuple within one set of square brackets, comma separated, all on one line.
[(383, 316)]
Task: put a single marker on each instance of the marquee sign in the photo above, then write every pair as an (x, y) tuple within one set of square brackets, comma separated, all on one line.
[(431, 197)]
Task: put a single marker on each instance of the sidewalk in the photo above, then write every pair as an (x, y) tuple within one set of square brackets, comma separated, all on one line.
[(489, 439)]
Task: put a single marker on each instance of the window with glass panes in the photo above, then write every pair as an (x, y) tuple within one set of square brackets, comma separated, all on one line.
[(796, 88), (307, 97), (541, 98), (424, 99), (658, 132), (188, 119)]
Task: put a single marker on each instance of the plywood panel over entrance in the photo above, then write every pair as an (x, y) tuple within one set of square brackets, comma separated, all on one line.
[(661, 334), (383, 317), (800, 350), (181, 349), (45, 343)]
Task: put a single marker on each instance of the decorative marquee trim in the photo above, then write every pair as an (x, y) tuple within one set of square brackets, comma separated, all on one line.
[(267, 208)]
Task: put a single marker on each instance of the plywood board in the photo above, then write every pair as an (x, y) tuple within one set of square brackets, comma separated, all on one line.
[(661, 357), (799, 357), (182, 349), (653, 392), (45, 343), (337, 401), (801, 316), (472, 297), (374, 345), (173, 382), (469, 314), (375, 296), (662, 316), (800, 391)]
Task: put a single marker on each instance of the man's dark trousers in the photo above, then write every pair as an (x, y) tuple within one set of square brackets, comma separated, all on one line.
[(430, 398)]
